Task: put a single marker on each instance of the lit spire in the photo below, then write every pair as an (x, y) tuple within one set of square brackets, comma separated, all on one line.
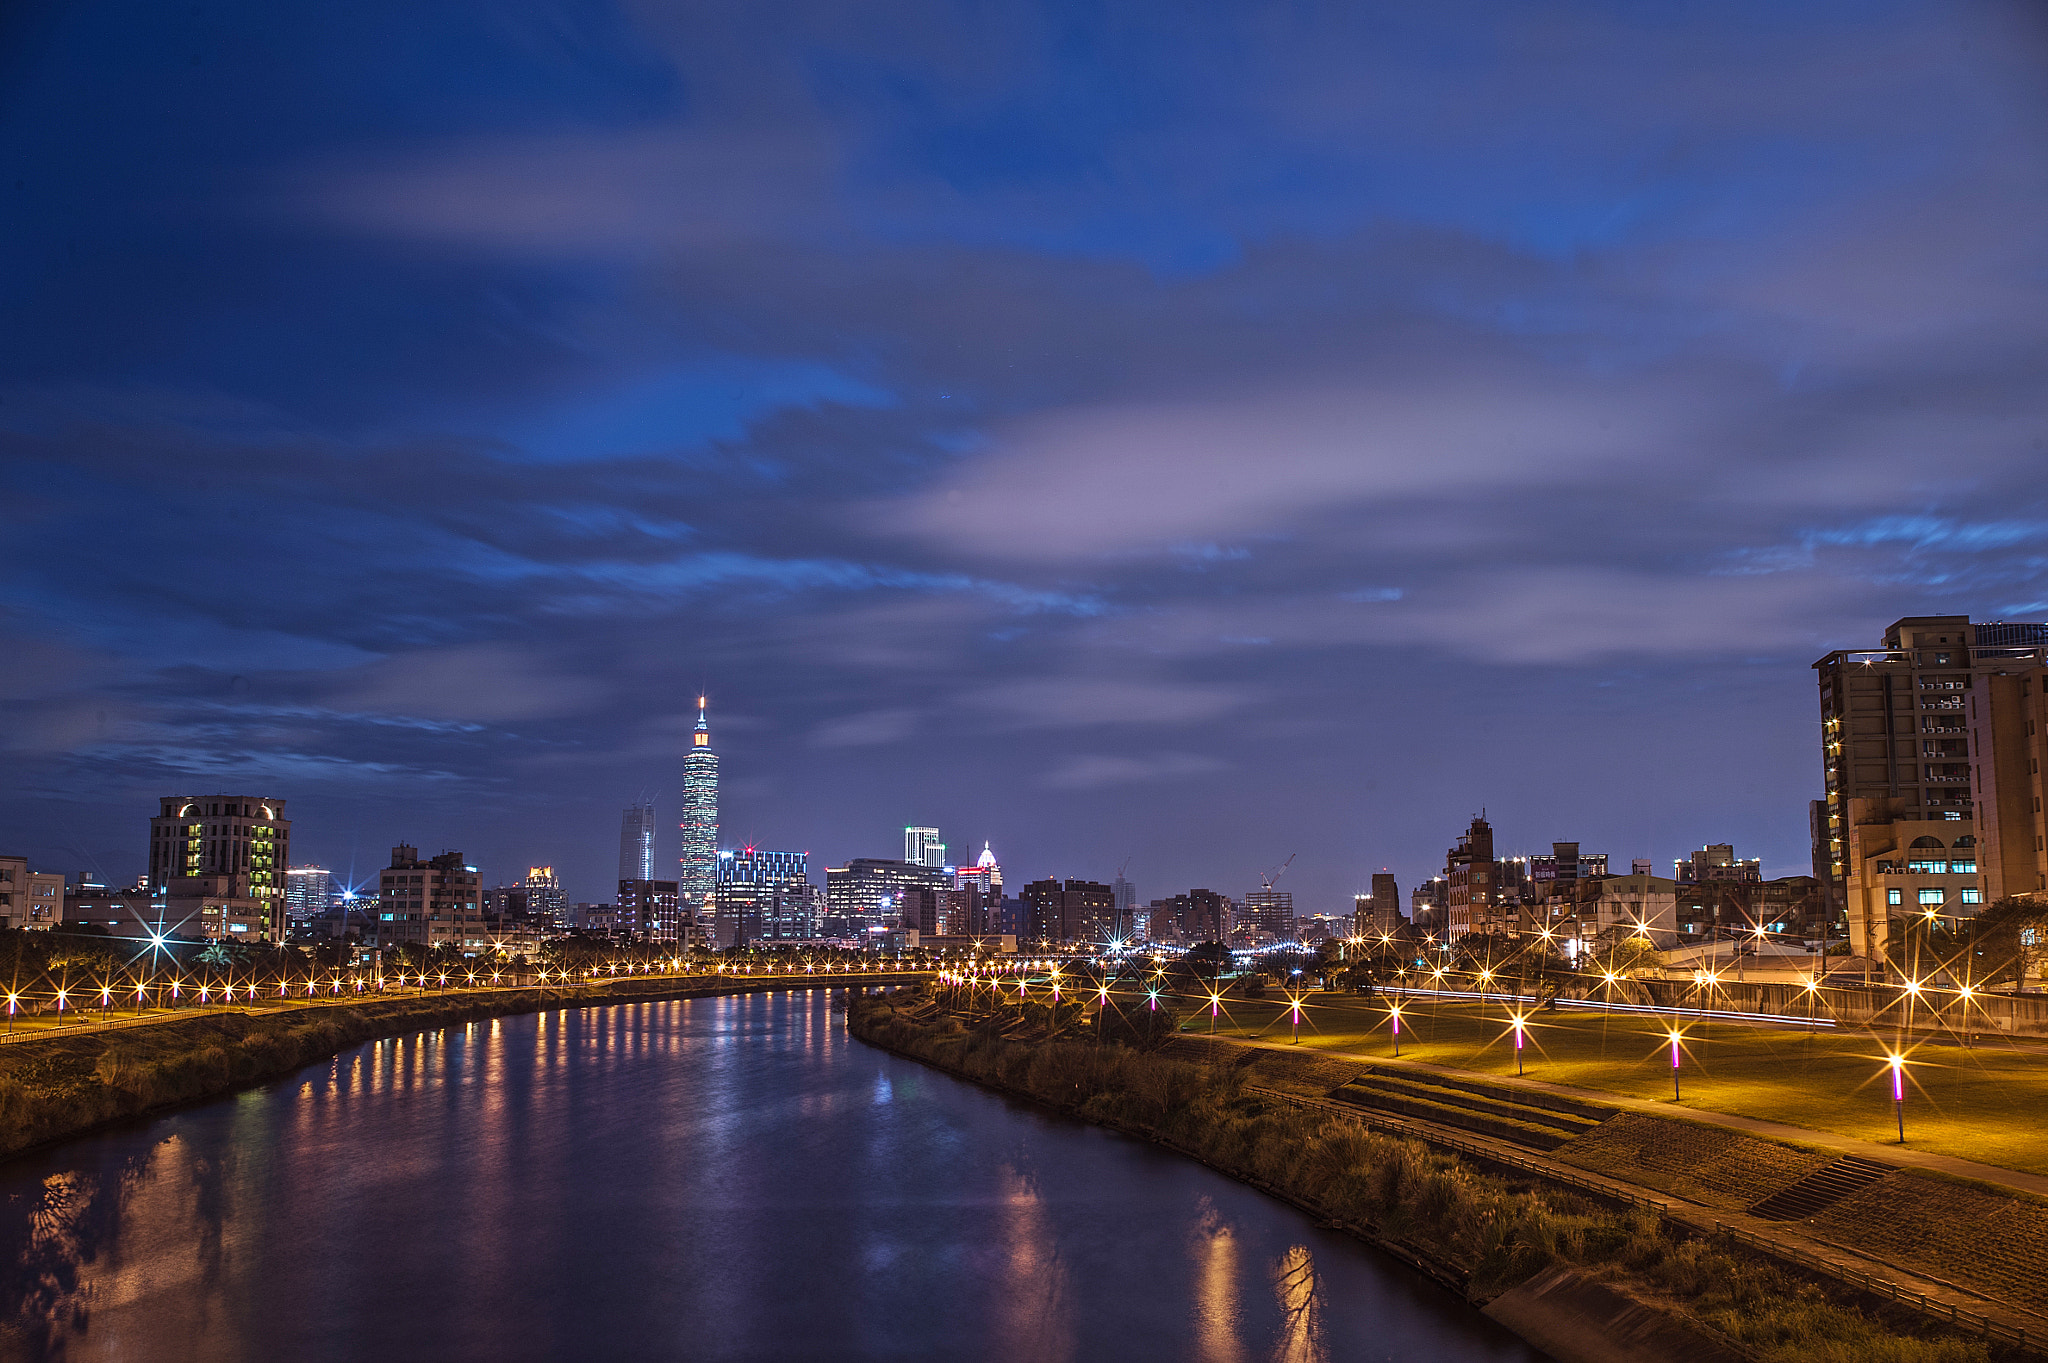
[(703, 735), (988, 858)]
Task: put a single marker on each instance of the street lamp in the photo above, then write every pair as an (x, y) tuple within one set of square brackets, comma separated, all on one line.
[(1294, 1015), (1518, 1020), (1897, 1063), (1394, 1017), (1676, 1037)]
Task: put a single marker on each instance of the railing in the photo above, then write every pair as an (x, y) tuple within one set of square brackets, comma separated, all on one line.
[(1953, 1314)]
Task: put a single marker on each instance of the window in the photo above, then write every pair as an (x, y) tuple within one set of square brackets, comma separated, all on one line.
[(1971, 895), (1931, 896), (1927, 842), (1894, 896), (1963, 868), (1926, 868)]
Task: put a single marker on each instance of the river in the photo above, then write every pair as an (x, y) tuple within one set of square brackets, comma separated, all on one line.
[(715, 1179)]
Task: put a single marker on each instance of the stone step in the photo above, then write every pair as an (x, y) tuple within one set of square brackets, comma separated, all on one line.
[(1821, 1189)]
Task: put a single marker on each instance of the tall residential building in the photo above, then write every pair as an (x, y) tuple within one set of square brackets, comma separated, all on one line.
[(1918, 781), (921, 847), (1379, 911), (1472, 875), (1190, 919), (700, 820), (636, 842), (762, 896), (242, 837), (1068, 911), (1270, 911), (432, 903), (309, 891)]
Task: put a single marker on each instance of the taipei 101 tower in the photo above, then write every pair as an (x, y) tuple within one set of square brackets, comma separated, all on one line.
[(700, 821)]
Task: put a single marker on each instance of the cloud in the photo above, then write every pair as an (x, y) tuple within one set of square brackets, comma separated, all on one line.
[(1063, 702), (485, 683), (867, 729), (1092, 772)]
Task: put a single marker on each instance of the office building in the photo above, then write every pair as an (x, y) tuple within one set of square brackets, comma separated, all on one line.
[(1911, 755), (699, 876), (978, 895), (1126, 895), (437, 902), (1057, 911), (636, 842), (921, 847), (647, 909), (546, 904), (309, 892), (29, 899), (867, 893), (762, 896)]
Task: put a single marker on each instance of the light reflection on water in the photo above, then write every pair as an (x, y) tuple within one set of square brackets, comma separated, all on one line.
[(718, 1179)]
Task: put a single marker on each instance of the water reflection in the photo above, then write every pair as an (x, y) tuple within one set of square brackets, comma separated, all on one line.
[(718, 1179)]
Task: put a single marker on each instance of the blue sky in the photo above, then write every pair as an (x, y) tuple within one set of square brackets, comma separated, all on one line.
[(1189, 436)]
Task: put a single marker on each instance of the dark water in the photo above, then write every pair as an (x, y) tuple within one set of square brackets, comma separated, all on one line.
[(719, 1179)]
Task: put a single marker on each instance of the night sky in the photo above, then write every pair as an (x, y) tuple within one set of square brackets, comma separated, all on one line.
[(1190, 434)]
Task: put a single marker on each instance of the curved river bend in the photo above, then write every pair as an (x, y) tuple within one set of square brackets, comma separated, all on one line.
[(716, 1179)]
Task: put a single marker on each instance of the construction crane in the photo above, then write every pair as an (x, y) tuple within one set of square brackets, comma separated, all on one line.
[(1278, 871)]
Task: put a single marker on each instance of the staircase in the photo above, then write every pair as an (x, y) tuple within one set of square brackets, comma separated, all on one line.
[(1541, 1121), (1821, 1189)]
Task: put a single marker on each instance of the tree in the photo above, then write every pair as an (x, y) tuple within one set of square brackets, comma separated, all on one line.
[(2009, 935)]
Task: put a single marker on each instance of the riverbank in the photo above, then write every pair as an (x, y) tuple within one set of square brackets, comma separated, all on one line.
[(1580, 1277), (65, 1084)]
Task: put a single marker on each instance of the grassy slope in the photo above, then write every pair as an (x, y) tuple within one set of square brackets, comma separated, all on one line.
[(1981, 1102)]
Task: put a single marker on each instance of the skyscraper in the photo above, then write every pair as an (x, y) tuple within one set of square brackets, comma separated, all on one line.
[(636, 842), (700, 821), (921, 847)]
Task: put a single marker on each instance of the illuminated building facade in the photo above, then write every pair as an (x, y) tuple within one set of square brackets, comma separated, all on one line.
[(699, 878), (921, 847), (545, 902), (647, 910), (762, 896), (1269, 911), (309, 891), (1920, 773), (867, 893), (239, 846)]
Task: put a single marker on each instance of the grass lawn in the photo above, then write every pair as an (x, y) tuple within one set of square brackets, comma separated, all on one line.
[(1986, 1102)]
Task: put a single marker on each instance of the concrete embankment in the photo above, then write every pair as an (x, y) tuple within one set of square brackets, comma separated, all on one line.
[(1585, 1279), (67, 1083)]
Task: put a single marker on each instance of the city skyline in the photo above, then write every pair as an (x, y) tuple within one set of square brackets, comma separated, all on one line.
[(1024, 454)]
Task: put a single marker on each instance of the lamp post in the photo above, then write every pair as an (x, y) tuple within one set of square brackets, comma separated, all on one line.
[(1897, 1063), (1294, 1015), (1518, 1043), (1674, 1064), (1394, 1017)]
